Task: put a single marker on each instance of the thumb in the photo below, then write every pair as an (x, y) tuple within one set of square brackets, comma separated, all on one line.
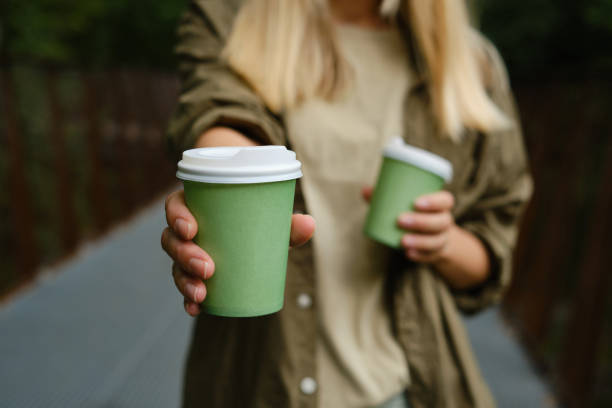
[(302, 229), (366, 192)]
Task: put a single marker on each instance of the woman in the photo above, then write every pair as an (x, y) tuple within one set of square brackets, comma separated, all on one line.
[(362, 326)]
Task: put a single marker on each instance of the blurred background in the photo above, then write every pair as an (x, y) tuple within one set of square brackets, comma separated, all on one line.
[(86, 89)]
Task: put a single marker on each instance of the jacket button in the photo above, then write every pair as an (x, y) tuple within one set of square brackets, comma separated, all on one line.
[(308, 385), (304, 301)]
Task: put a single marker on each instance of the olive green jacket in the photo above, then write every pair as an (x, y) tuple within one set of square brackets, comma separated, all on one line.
[(261, 362)]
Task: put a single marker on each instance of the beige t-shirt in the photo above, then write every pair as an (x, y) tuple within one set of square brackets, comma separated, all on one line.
[(359, 361)]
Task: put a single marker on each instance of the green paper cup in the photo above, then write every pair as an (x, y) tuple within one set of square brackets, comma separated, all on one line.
[(406, 173), (242, 200)]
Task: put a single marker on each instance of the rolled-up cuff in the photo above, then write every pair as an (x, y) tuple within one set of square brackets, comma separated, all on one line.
[(489, 292)]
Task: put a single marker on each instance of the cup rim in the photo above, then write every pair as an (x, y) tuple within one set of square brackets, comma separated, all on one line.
[(239, 165), (399, 150)]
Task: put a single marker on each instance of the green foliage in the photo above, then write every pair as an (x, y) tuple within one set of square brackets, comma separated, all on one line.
[(532, 36), (92, 33), (540, 34), (598, 15)]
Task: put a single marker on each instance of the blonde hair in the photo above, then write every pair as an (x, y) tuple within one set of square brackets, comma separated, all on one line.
[(287, 51)]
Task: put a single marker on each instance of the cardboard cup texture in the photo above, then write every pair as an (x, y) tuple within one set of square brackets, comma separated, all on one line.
[(245, 230)]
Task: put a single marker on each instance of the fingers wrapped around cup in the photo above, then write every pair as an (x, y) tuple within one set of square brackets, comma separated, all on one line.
[(428, 227), (178, 216), (188, 255), (192, 288)]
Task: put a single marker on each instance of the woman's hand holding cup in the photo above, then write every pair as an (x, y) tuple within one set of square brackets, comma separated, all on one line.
[(428, 228), (431, 236), (192, 265)]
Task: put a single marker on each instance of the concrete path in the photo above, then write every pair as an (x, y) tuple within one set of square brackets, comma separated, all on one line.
[(504, 364), (107, 330)]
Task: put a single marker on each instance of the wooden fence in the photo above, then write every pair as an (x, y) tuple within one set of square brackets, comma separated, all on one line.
[(559, 299), (82, 151)]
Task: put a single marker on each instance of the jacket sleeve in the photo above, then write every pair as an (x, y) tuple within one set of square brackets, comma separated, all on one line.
[(495, 217), (211, 93)]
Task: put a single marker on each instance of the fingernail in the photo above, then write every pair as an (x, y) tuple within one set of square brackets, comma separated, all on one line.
[(192, 291), (206, 270), (408, 240), (198, 266), (181, 227), (422, 202), (197, 295), (406, 220)]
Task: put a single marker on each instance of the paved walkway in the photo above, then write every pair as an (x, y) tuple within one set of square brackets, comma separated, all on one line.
[(107, 330)]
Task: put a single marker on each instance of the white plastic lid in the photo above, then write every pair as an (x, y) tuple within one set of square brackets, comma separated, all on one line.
[(239, 165), (398, 150)]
